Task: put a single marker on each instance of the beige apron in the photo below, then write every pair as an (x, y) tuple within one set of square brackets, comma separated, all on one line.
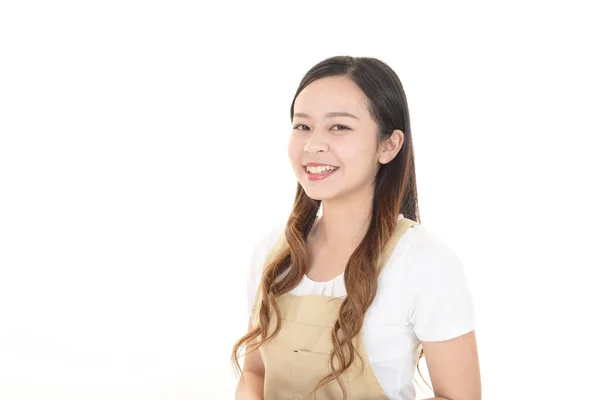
[(298, 356)]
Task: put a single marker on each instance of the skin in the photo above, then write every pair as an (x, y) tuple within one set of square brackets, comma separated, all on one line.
[(351, 144)]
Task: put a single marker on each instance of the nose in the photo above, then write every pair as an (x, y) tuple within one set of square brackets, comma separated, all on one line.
[(316, 141)]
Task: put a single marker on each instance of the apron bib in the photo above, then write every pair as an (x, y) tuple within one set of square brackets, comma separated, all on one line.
[(298, 356)]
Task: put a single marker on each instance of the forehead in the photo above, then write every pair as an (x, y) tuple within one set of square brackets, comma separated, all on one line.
[(336, 93)]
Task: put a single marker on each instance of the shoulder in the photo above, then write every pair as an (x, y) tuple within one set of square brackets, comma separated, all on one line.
[(431, 253), (426, 279), (421, 251), (421, 260), (264, 242)]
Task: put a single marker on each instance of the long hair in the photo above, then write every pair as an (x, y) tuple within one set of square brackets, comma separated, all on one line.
[(395, 193)]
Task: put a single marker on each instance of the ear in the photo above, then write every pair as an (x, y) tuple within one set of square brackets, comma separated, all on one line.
[(390, 147)]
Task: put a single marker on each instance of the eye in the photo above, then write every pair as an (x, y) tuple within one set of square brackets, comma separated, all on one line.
[(299, 126), (341, 127)]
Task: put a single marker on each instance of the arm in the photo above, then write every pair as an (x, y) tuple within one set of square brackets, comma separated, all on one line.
[(453, 366), (251, 384)]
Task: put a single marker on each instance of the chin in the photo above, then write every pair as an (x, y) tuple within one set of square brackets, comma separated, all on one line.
[(318, 194)]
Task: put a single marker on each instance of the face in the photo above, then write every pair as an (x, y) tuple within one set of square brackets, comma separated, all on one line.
[(332, 126)]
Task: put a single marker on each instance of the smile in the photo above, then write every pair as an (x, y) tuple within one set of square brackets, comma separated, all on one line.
[(320, 173)]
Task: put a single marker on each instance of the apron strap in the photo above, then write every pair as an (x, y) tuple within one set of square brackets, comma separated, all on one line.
[(403, 225)]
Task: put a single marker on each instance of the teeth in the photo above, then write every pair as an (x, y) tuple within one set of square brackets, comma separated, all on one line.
[(320, 169)]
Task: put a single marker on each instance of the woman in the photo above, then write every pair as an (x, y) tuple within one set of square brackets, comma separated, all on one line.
[(349, 294)]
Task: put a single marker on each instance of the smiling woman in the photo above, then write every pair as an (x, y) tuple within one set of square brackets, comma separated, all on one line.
[(347, 295)]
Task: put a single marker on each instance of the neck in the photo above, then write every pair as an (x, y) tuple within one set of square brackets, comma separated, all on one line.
[(343, 224)]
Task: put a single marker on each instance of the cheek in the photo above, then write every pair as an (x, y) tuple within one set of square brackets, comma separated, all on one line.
[(355, 153), (359, 157), (295, 149)]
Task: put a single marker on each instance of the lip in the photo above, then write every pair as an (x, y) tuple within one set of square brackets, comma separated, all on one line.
[(313, 164)]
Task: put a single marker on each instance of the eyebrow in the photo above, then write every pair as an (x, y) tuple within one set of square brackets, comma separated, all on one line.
[(329, 115)]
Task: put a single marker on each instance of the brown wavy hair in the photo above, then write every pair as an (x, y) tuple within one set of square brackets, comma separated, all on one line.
[(395, 193)]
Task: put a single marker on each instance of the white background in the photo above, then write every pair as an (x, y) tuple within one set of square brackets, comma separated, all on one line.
[(143, 152)]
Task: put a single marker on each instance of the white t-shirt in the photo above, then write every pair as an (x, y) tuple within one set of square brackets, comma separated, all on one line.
[(423, 295)]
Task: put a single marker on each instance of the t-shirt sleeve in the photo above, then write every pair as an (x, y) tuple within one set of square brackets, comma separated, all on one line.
[(442, 306), (257, 262)]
